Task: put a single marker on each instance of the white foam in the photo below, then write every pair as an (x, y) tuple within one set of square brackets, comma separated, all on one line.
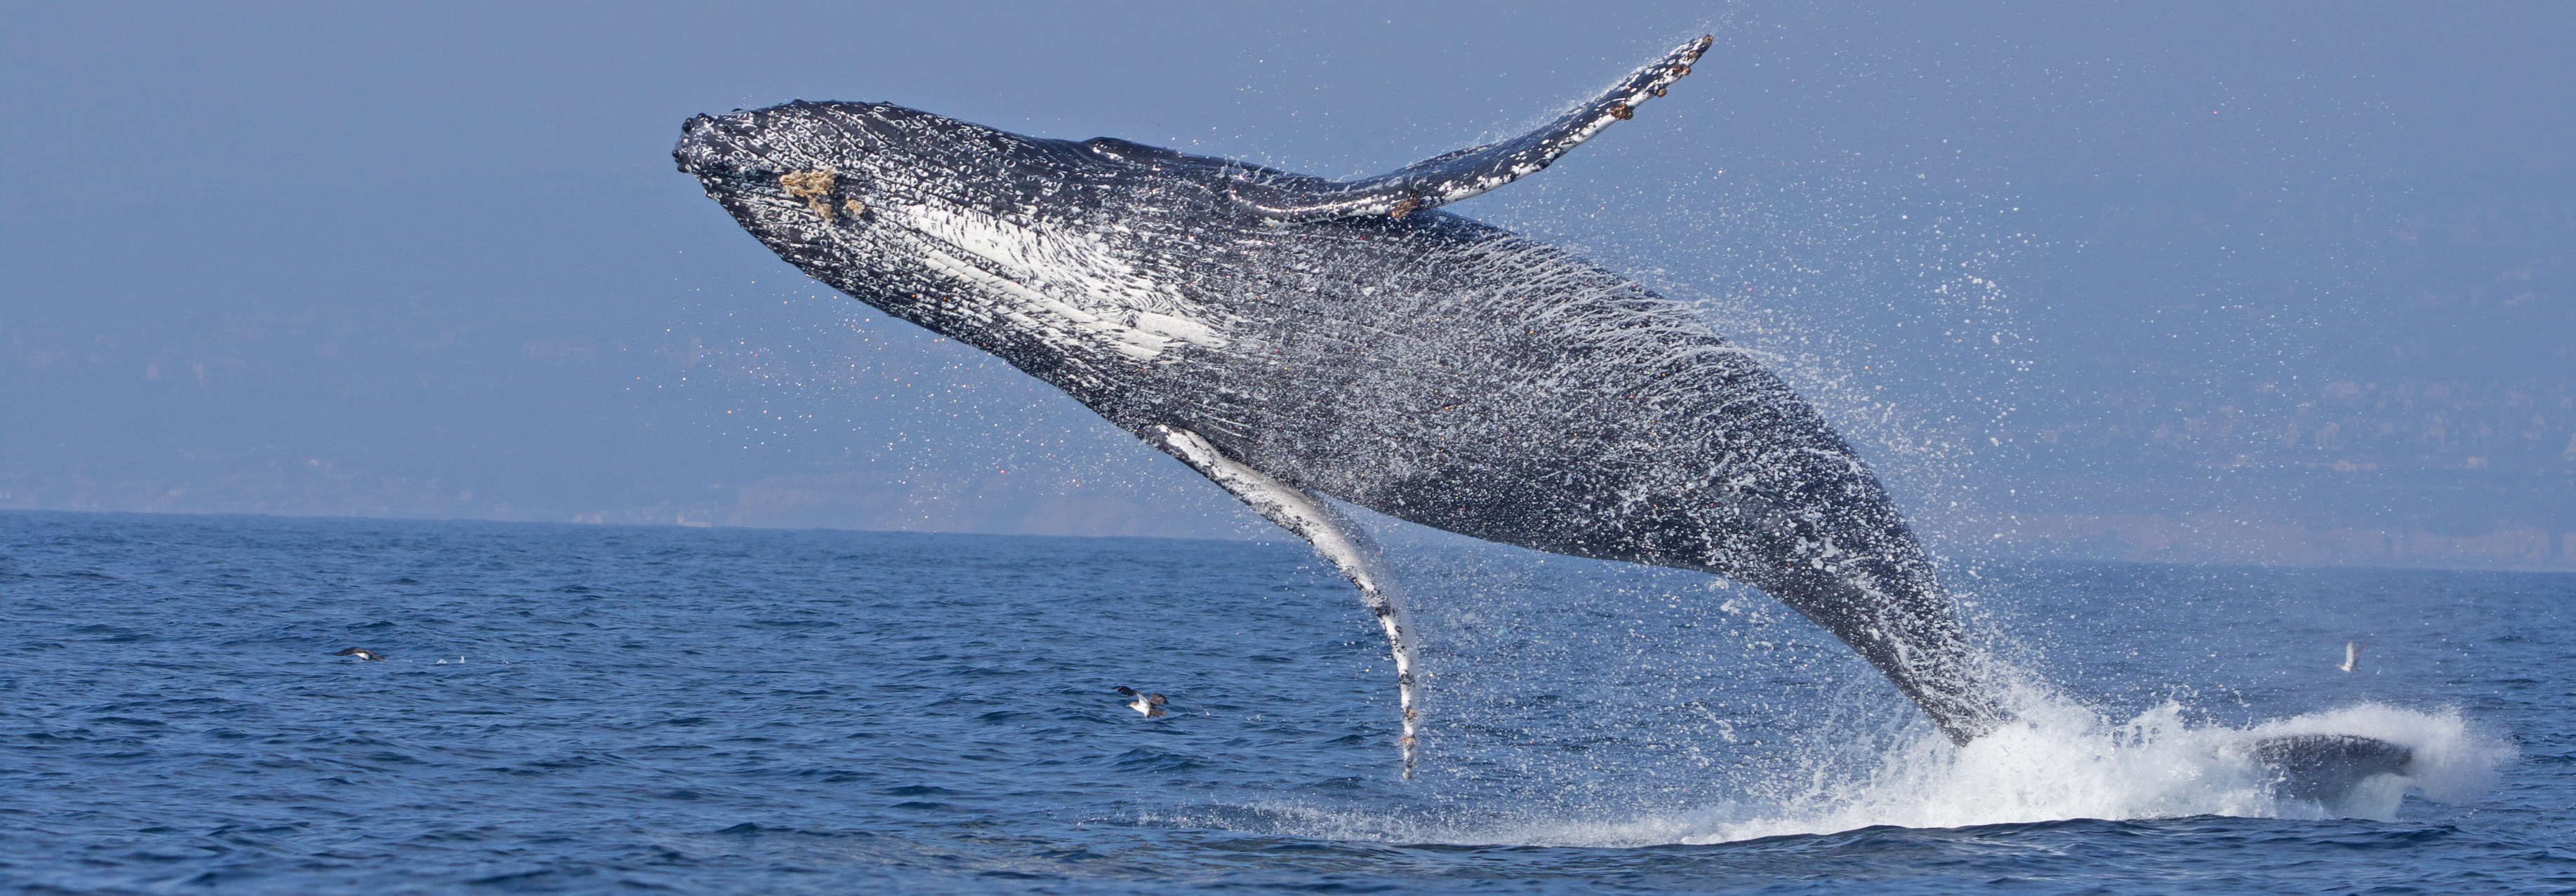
[(2064, 762), (2067, 762)]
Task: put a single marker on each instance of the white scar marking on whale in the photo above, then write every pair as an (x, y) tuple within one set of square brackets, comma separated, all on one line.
[(1060, 284)]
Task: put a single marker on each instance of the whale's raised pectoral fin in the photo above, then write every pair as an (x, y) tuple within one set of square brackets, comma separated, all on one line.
[(1447, 178), (1347, 546)]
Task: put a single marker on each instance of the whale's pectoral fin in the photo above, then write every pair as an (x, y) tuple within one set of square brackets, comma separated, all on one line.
[(1444, 179), (1347, 546)]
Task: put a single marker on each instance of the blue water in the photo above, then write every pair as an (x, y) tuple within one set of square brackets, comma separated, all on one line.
[(600, 708)]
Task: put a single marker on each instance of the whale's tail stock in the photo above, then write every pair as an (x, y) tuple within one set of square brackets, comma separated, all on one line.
[(1885, 602), (1961, 691)]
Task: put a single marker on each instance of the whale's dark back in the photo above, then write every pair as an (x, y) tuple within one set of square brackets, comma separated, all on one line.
[(1428, 367)]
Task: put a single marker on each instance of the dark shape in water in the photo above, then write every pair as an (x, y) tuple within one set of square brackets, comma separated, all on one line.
[(1293, 337), (361, 653), (2324, 767)]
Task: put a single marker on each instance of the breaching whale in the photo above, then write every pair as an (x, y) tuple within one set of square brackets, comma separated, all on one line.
[(1295, 338)]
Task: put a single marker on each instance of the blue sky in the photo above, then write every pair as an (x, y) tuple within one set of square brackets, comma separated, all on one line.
[(432, 260)]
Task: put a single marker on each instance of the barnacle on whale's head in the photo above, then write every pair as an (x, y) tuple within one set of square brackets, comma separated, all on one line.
[(814, 185), (790, 166)]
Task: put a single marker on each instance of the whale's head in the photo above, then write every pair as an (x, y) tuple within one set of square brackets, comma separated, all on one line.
[(923, 215), (843, 189), (813, 181)]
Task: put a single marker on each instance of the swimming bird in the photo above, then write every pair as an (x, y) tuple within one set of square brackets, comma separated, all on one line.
[(1149, 704), (361, 653), (2351, 656)]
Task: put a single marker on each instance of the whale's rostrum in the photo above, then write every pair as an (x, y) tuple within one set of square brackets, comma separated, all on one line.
[(1295, 338)]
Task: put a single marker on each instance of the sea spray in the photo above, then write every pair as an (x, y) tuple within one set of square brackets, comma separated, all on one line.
[(2068, 761), (2064, 762)]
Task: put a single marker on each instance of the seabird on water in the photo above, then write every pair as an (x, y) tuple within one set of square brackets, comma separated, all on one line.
[(2351, 656), (361, 653), (1149, 704)]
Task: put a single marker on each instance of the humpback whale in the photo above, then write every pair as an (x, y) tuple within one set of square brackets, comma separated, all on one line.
[(1298, 339)]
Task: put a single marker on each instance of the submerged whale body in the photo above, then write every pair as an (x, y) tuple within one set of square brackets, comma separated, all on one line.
[(1295, 338), (2321, 768)]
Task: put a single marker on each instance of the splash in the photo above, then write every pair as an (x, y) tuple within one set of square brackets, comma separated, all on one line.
[(2065, 761)]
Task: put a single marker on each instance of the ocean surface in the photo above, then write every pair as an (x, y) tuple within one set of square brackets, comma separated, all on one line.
[(628, 709)]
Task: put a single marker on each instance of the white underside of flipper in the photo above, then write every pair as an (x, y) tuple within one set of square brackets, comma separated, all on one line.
[(1335, 539)]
